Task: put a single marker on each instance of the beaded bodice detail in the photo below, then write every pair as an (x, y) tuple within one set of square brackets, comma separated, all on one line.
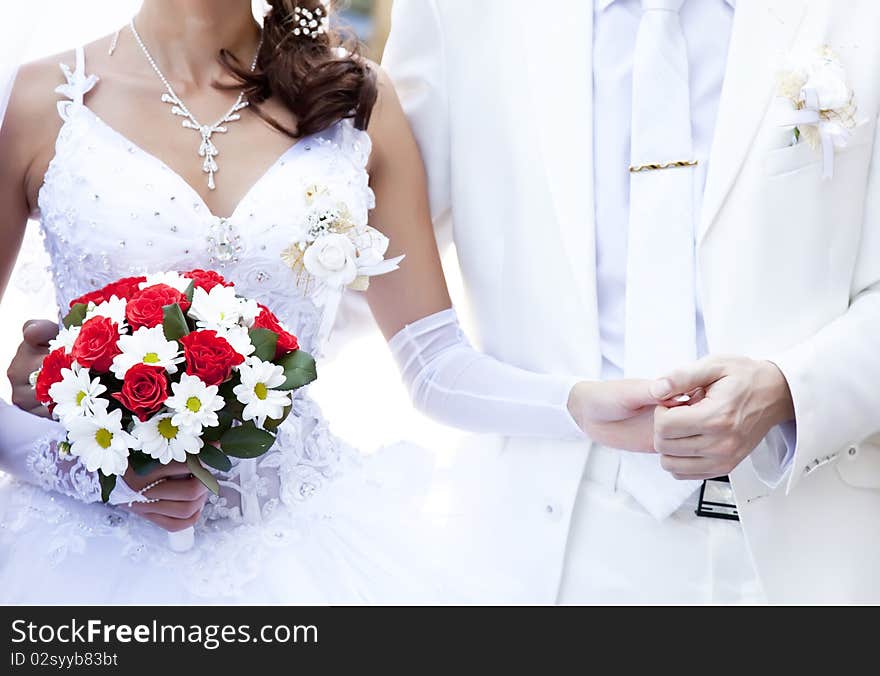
[(110, 209)]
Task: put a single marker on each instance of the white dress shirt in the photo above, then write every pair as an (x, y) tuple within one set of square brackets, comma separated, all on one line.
[(707, 26)]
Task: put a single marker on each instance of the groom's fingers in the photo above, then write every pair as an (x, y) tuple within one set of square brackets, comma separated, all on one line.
[(687, 447), (690, 468), (683, 421), (700, 374), (636, 394), (689, 399)]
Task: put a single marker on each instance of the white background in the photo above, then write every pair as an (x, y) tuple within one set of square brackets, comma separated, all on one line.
[(358, 387)]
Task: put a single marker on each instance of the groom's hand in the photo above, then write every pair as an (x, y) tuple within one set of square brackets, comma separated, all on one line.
[(29, 357), (744, 399), (618, 414)]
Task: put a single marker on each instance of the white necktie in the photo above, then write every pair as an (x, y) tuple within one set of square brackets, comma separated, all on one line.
[(660, 287)]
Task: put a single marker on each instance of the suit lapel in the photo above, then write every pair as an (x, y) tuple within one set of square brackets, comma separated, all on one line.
[(763, 32), (560, 72)]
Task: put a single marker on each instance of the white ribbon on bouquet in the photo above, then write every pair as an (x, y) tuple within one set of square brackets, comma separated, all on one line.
[(832, 134)]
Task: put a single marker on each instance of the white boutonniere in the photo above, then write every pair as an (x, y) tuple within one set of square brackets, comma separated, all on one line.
[(823, 104)]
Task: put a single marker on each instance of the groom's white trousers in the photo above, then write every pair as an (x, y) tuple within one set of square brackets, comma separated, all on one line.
[(618, 553)]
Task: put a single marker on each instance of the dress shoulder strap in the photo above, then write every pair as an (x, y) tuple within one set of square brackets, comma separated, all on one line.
[(77, 86)]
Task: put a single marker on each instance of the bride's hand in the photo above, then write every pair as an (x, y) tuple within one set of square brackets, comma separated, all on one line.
[(29, 358), (180, 497), (617, 414)]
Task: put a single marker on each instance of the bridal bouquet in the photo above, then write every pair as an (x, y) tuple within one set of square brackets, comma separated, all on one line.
[(149, 370)]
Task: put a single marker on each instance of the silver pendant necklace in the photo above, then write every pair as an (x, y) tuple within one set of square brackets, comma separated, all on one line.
[(207, 150)]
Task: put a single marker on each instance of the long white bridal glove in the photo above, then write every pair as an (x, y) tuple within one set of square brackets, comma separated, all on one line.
[(29, 452), (456, 385)]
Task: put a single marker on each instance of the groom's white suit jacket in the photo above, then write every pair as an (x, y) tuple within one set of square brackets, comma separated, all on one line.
[(499, 93)]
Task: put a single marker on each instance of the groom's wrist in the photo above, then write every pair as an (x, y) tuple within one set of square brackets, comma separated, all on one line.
[(780, 405)]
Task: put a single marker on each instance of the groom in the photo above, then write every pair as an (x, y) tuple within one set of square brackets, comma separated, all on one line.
[(649, 204)]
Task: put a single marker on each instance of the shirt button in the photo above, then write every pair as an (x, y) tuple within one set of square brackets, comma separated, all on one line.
[(553, 511), (852, 451)]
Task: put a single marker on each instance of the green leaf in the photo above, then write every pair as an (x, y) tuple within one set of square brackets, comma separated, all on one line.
[(76, 316), (299, 370), (143, 464), (265, 341), (190, 291), (108, 483), (273, 425), (211, 434), (246, 441), (202, 474), (174, 323), (214, 457)]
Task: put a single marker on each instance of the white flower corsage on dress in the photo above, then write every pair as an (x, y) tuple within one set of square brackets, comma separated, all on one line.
[(337, 250), (824, 108)]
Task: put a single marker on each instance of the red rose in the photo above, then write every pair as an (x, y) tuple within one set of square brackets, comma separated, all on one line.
[(144, 390), (96, 344), (50, 373), (145, 307), (206, 279), (123, 289), (209, 356), (287, 342)]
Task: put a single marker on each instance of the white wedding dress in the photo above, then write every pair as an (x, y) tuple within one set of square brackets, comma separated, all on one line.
[(310, 522)]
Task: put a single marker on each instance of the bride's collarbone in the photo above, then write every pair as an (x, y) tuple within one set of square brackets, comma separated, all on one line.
[(245, 151)]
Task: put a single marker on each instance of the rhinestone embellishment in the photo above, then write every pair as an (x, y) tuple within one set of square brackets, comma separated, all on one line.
[(224, 244)]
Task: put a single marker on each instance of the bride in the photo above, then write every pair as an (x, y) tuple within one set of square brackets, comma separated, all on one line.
[(120, 189)]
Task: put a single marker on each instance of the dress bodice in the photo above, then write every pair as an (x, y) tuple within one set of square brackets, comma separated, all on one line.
[(109, 209)]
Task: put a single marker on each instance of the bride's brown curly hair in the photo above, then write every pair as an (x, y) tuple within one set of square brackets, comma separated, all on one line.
[(322, 80)]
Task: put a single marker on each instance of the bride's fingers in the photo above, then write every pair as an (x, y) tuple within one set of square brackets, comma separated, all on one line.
[(174, 509), (172, 470), (177, 489)]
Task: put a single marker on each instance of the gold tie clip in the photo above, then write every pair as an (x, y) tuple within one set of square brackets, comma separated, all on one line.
[(668, 165)]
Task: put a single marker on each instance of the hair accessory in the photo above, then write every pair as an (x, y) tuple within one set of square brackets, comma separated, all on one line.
[(310, 23)]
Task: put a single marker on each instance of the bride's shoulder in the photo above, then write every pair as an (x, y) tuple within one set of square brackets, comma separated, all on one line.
[(34, 91), (32, 104), (36, 82)]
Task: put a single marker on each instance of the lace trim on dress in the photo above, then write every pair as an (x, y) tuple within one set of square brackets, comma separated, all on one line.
[(68, 476)]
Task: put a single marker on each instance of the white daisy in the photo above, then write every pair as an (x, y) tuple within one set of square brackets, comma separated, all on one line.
[(146, 346), (257, 393), (101, 442), (113, 308), (76, 394), (65, 338), (238, 337), (194, 404), (217, 308), (162, 440), (172, 279)]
